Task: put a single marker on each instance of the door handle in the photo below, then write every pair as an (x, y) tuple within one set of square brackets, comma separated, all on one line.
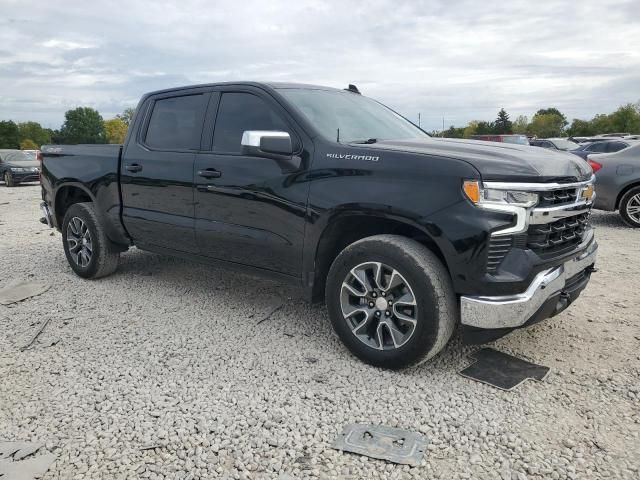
[(210, 173), (134, 167)]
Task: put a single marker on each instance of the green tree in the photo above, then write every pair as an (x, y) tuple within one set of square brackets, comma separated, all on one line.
[(115, 130), (580, 128), (521, 124), (127, 115), (626, 119), (453, 132), (553, 111), (485, 128), (503, 124), (546, 125), (9, 135), (33, 131), (82, 125), (471, 129), (601, 123), (28, 144)]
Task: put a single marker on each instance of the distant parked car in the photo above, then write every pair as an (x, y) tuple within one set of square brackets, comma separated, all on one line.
[(618, 183), (18, 167), (33, 154), (605, 146), (517, 139), (632, 137), (554, 143), (620, 135)]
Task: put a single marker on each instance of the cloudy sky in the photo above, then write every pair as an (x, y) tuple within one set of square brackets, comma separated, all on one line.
[(461, 60)]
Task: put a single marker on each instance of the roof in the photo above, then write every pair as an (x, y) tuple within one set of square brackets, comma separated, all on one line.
[(274, 85)]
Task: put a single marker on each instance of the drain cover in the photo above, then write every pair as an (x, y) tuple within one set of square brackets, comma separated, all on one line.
[(385, 443), (502, 370)]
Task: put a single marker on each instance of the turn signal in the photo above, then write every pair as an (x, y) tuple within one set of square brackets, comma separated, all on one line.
[(471, 189)]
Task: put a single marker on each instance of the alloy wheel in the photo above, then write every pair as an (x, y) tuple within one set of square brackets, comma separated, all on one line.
[(79, 242), (633, 208), (379, 306)]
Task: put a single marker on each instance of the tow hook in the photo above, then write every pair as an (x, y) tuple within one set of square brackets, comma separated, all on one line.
[(591, 269)]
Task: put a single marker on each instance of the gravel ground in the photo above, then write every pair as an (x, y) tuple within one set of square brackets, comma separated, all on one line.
[(170, 354)]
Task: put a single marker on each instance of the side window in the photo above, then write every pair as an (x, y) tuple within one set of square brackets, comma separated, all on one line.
[(239, 112), (176, 123), (598, 147), (615, 146)]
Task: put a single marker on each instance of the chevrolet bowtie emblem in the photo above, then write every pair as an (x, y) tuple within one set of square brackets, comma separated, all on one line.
[(587, 193)]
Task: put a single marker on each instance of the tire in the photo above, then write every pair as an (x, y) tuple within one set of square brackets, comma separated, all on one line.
[(629, 205), (8, 179), (433, 317), (81, 223)]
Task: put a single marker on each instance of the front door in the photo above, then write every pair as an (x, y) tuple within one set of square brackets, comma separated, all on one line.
[(248, 211), (157, 171)]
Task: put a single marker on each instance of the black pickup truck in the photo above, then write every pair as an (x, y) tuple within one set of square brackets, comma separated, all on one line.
[(405, 236)]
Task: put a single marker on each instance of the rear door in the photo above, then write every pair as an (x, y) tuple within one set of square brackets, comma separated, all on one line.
[(248, 211), (157, 170)]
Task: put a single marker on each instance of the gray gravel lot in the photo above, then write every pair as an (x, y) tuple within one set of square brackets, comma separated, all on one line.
[(170, 354)]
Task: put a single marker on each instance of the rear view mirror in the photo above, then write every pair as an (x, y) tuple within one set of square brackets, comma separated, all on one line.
[(271, 144)]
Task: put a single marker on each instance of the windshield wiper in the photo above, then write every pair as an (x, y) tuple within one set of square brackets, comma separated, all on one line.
[(366, 142)]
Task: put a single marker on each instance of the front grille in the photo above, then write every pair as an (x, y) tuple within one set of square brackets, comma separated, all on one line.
[(557, 237), (561, 196), (498, 249)]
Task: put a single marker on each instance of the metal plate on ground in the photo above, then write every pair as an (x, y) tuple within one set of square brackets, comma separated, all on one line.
[(502, 370), (385, 443)]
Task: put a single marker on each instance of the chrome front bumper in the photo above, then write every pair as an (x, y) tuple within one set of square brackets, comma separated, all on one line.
[(513, 311)]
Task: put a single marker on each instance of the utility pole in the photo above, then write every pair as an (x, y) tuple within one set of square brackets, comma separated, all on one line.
[(442, 133), (419, 126)]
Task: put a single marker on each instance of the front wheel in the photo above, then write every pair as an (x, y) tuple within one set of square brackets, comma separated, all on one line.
[(88, 250), (391, 301), (630, 207), (8, 180)]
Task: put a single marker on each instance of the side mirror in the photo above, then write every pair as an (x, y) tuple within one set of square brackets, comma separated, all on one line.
[(258, 142), (271, 144)]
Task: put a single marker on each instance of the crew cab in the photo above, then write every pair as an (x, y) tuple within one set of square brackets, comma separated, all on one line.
[(404, 236)]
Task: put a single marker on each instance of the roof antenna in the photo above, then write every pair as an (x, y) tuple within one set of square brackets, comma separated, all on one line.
[(352, 88), (338, 137)]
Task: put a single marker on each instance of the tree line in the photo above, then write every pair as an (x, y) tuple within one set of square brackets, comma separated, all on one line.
[(81, 125), (86, 125), (550, 122)]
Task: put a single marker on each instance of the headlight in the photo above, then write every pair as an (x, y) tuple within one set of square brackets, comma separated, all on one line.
[(490, 196)]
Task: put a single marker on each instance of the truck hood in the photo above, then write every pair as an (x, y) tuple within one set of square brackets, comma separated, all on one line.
[(500, 161), (24, 164)]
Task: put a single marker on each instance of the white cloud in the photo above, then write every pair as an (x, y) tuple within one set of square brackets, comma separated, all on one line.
[(458, 60)]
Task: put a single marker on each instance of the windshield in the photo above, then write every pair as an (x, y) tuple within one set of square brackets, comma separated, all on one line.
[(358, 118), (565, 144)]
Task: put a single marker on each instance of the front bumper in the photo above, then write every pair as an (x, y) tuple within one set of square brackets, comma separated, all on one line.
[(20, 177), (513, 311)]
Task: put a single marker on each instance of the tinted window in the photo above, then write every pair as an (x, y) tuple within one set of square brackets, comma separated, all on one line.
[(239, 112), (176, 123), (615, 146), (598, 147)]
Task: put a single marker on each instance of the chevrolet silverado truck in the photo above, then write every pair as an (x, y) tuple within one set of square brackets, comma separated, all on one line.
[(403, 235)]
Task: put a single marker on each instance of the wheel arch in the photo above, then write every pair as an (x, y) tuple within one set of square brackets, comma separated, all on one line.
[(623, 191), (66, 195), (348, 227)]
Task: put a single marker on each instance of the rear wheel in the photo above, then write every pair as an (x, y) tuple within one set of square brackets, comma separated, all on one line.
[(630, 207), (88, 250), (391, 301), (8, 179)]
